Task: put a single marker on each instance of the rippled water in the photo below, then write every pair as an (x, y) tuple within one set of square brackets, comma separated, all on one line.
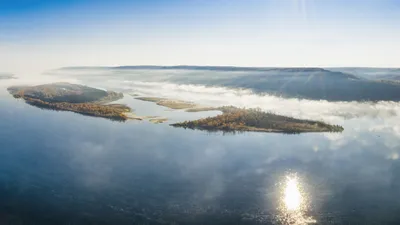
[(65, 168)]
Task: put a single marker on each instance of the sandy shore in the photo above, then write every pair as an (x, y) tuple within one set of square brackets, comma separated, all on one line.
[(178, 104)]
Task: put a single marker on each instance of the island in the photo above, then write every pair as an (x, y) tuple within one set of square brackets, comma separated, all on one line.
[(75, 98), (241, 119), (237, 119), (98, 103)]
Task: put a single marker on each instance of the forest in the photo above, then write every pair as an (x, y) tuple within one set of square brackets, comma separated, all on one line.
[(113, 111), (75, 98), (237, 119), (65, 92)]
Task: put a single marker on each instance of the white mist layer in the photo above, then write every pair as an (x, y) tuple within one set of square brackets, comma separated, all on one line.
[(300, 108), (365, 123)]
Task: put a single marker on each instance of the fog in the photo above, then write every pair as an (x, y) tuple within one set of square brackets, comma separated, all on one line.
[(181, 84), (363, 121), (301, 108), (103, 156)]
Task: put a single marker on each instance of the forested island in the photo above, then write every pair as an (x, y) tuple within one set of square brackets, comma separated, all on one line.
[(73, 97), (95, 102), (237, 119)]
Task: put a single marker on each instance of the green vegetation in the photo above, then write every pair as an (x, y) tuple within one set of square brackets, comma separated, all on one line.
[(235, 119), (75, 98)]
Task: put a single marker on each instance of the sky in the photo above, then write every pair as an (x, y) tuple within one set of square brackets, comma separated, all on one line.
[(37, 35)]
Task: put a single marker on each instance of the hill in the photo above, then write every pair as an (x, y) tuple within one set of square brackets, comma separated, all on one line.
[(341, 84)]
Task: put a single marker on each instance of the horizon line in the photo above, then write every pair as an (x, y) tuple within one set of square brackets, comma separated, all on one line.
[(226, 66)]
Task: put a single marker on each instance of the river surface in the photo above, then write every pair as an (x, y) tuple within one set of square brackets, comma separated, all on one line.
[(65, 168)]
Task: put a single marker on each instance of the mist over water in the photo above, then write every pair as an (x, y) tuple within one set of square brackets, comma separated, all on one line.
[(365, 123), (368, 118), (301, 108), (158, 173), (358, 118), (183, 84)]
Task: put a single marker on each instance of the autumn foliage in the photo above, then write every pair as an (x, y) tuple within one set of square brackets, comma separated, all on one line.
[(114, 112), (235, 119), (75, 98)]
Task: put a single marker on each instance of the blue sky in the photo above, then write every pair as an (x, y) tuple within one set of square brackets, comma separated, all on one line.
[(42, 34)]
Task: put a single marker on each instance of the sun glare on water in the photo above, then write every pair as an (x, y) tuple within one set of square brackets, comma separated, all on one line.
[(295, 202), (292, 195)]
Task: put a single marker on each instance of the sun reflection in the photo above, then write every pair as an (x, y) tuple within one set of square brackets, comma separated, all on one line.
[(295, 202), (292, 196)]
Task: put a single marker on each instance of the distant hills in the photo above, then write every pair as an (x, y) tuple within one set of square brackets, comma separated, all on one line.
[(372, 73), (188, 67), (333, 84)]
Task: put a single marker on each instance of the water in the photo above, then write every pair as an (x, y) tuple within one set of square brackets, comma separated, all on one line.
[(65, 168)]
